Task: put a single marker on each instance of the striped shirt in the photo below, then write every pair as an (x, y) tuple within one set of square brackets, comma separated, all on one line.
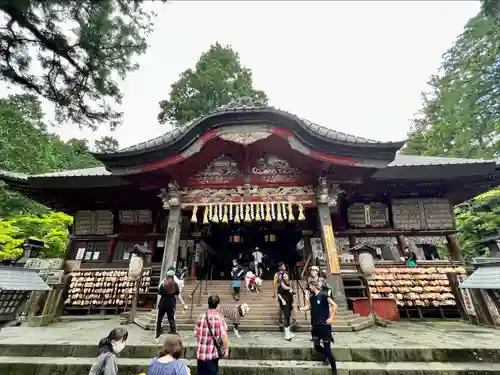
[(205, 346)]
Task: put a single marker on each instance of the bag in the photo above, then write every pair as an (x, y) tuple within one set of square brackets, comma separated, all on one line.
[(218, 342)]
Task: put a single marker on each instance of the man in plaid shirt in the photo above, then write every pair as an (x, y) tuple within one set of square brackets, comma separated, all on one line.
[(206, 351)]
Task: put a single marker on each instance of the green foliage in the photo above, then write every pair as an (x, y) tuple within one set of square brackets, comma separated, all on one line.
[(73, 52), (490, 8), (217, 79), (461, 112), (26, 146), (52, 228), (9, 240), (476, 219), (106, 144)]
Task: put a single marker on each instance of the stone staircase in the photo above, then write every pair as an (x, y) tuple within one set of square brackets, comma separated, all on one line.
[(263, 309)]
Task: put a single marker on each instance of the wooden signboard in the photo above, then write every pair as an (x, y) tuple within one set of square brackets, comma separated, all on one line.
[(331, 249), (423, 213), (93, 222), (370, 215)]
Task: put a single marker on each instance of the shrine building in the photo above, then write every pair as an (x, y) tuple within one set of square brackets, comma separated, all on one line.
[(248, 175)]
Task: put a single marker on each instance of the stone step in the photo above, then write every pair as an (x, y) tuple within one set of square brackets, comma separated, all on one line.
[(134, 366), (280, 351), (249, 319)]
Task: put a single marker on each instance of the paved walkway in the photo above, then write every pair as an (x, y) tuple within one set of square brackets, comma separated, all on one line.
[(436, 334)]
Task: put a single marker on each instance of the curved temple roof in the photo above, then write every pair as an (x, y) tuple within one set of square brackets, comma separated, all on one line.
[(247, 111)]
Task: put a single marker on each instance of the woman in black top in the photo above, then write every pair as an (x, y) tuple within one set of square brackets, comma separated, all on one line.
[(169, 291), (285, 300)]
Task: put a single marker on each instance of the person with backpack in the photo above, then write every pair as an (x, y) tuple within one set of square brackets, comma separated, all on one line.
[(169, 292), (106, 361), (212, 342)]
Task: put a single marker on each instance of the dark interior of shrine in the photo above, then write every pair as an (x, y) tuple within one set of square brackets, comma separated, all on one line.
[(277, 241)]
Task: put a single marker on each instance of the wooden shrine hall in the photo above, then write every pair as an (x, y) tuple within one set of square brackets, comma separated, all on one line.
[(249, 175)]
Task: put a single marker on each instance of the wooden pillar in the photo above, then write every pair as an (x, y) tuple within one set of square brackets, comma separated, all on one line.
[(401, 245), (454, 249), (331, 254), (172, 238)]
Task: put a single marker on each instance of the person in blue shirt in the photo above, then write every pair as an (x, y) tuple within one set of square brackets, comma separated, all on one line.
[(236, 276), (168, 361)]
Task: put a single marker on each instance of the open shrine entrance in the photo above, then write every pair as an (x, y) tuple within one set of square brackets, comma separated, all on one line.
[(277, 241)]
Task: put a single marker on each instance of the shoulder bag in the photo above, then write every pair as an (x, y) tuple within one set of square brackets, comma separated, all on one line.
[(218, 342)]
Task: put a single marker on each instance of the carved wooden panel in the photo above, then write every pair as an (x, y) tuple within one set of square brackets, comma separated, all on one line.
[(424, 213), (136, 217), (371, 215), (438, 213), (222, 170), (93, 222), (407, 214), (271, 169)]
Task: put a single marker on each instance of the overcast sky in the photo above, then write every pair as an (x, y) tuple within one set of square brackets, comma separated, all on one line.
[(357, 67)]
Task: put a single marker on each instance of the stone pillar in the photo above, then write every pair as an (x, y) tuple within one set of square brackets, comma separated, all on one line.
[(171, 201), (454, 249), (331, 254)]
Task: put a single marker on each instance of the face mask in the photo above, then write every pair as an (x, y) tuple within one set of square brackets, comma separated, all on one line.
[(118, 346)]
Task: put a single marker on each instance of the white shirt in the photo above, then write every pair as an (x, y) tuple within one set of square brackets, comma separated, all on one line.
[(257, 256)]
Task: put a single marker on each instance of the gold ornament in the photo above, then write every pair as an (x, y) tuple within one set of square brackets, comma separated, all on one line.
[(280, 216), (205, 216), (268, 212), (248, 219), (257, 214), (290, 212), (237, 214), (224, 218), (194, 219), (301, 213)]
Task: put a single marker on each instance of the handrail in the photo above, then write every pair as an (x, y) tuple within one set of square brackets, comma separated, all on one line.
[(303, 295), (191, 295), (306, 265)]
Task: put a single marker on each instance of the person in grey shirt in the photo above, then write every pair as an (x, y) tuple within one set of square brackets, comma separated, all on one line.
[(108, 348)]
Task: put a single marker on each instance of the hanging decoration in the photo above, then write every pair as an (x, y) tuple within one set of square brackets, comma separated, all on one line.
[(301, 213), (225, 219), (257, 212), (237, 215), (205, 215), (194, 218), (280, 216), (290, 212), (248, 212), (248, 219)]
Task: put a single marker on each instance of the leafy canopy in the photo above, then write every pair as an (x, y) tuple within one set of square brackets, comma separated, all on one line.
[(461, 112), (478, 218), (106, 144), (27, 147), (73, 52), (217, 79), (52, 228)]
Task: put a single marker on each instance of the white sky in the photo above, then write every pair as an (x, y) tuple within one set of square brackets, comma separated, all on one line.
[(357, 67)]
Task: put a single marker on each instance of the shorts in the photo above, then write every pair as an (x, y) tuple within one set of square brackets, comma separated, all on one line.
[(236, 284), (322, 333)]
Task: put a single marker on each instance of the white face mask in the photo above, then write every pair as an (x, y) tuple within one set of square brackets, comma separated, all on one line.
[(118, 346)]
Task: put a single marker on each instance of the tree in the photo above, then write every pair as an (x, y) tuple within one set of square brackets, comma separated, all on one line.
[(73, 52), (476, 219), (461, 111), (217, 79), (490, 8), (25, 146), (106, 144), (51, 228)]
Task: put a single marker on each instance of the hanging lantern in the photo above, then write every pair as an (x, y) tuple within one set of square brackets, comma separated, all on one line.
[(248, 219), (257, 214), (237, 214), (290, 212), (225, 218), (280, 216), (366, 263), (268, 212), (301, 213), (205, 215), (194, 219)]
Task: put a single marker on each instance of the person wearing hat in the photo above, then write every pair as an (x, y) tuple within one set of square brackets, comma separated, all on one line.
[(169, 292), (323, 310)]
